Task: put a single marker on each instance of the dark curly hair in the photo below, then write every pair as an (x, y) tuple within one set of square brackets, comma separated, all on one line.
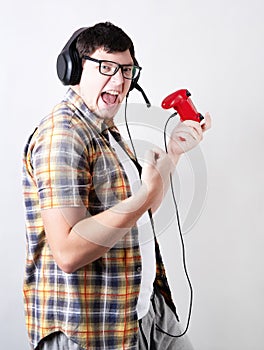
[(104, 35)]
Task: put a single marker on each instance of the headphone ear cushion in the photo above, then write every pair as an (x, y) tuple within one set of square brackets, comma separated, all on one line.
[(62, 68), (69, 67), (69, 64), (76, 68)]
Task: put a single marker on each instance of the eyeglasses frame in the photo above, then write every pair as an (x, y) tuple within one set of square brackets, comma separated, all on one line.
[(119, 66)]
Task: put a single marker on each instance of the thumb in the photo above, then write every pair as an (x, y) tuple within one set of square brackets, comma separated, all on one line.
[(150, 157), (207, 122)]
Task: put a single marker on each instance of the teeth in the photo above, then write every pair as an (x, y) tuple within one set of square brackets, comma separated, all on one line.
[(112, 92)]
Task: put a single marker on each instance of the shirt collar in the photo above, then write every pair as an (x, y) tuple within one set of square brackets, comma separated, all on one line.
[(101, 124)]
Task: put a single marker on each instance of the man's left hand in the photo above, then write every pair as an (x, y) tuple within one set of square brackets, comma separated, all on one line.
[(187, 135)]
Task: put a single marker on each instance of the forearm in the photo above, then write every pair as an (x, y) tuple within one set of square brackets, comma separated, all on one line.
[(108, 227), (78, 240)]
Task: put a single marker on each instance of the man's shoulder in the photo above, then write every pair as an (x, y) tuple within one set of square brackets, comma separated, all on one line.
[(64, 115), (67, 122), (61, 111)]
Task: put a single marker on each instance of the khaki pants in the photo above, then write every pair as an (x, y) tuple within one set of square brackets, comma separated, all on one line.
[(150, 338)]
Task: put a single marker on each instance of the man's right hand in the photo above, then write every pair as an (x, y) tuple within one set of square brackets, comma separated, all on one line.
[(155, 176)]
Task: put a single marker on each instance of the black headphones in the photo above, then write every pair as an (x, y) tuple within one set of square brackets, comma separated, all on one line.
[(69, 65)]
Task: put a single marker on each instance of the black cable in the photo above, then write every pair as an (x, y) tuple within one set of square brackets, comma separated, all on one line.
[(144, 338), (182, 244), (179, 226), (128, 131)]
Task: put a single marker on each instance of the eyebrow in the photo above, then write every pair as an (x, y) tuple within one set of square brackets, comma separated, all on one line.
[(105, 60)]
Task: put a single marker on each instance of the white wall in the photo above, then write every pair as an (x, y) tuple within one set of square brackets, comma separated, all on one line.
[(215, 49)]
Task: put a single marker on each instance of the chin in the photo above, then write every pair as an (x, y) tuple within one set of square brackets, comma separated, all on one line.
[(109, 112)]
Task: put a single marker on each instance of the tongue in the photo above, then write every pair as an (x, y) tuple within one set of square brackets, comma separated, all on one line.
[(108, 98)]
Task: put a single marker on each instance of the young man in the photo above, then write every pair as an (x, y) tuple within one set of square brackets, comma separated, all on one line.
[(89, 283)]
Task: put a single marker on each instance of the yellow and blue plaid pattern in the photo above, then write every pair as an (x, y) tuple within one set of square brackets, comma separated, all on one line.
[(68, 163)]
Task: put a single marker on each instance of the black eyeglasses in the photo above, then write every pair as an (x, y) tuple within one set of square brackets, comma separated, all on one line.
[(110, 68)]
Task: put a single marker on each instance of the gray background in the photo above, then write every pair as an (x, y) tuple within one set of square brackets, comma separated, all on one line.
[(215, 49)]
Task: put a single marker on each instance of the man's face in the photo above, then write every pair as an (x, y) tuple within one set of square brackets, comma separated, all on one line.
[(104, 94)]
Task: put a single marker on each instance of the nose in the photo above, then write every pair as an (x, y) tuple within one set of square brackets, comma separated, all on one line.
[(118, 77)]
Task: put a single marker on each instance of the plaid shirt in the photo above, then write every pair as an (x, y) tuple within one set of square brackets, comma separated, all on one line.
[(69, 163)]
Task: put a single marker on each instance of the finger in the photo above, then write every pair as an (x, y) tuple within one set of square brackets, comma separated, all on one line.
[(188, 136), (195, 132), (194, 125), (149, 157), (207, 122), (152, 155)]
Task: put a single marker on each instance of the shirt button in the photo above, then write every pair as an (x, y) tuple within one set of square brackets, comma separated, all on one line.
[(139, 269)]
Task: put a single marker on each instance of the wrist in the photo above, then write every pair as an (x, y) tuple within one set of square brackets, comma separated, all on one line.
[(173, 155)]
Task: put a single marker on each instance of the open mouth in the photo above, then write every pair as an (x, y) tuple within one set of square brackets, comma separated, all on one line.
[(109, 97)]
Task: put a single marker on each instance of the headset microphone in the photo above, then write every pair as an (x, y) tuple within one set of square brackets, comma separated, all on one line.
[(139, 88)]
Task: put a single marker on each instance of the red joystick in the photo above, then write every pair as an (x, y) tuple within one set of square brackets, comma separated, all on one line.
[(181, 102)]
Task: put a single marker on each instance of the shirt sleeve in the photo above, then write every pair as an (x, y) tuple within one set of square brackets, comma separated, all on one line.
[(60, 163)]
